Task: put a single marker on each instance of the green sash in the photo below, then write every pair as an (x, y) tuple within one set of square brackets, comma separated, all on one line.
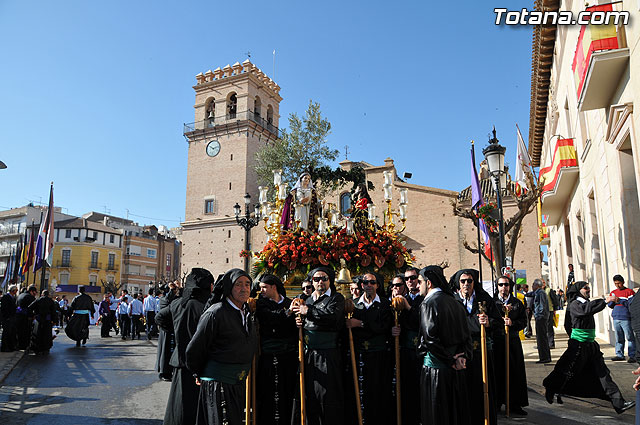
[(228, 373), (277, 346), (377, 343), (432, 361), (409, 339), (583, 335)]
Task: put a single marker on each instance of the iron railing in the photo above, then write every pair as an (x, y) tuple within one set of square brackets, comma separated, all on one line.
[(231, 118)]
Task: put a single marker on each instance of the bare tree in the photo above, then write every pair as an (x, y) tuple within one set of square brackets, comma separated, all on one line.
[(525, 202), (112, 287)]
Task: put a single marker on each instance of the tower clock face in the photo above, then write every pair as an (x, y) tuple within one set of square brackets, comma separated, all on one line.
[(213, 148)]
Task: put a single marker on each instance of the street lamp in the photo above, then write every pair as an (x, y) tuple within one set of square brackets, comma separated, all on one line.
[(494, 154), (247, 223)]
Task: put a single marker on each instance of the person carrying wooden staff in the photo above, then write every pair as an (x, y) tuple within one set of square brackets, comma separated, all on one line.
[(349, 307), (322, 318)]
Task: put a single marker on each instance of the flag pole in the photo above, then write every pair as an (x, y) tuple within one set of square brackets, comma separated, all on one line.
[(478, 227), (34, 257)]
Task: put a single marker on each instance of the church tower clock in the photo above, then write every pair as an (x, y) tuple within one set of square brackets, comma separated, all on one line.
[(236, 112)]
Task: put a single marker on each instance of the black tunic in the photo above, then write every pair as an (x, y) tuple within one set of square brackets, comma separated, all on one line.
[(373, 362), (166, 342), (24, 316), (8, 317), (518, 396), (183, 314), (78, 326), (581, 371), (443, 334), (323, 381), (221, 350), (410, 362), (473, 371), (45, 311), (278, 363)]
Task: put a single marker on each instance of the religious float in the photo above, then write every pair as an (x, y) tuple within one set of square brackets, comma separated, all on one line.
[(305, 232)]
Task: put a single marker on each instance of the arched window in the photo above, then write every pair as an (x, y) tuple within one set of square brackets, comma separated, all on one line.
[(210, 112), (232, 106), (257, 107), (270, 115), (345, 204)]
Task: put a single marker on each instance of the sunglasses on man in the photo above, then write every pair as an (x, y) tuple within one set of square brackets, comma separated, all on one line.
[(369, 282), (466, 280), (320, 278), (502, 283), (304, 288), (412, 277)]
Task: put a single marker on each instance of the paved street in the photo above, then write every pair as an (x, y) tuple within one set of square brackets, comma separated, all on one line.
[(114, 382), (109, 382)]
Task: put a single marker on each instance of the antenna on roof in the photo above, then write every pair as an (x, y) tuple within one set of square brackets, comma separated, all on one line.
[(346, 152)]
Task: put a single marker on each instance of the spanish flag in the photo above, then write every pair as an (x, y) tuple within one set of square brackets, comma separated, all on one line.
[(563, 156), (592, 38)]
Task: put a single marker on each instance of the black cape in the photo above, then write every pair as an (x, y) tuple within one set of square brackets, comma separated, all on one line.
[(23, 319), (518, 396), (411, 363), (166, 341), (45, 312), (443, 334)]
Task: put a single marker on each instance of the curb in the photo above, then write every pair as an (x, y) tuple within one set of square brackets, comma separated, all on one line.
[(10, 364)]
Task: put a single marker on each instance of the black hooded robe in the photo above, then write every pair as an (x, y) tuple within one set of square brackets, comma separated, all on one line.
[(518, 396), (473, 371), (444, 396), (581, 371), (323, 378), (373, 362), (166, 341), (8, 318), (45, 311), (277, 376), (411, 363), (184, 314), (220, 354), (24, 316), (78, 325)]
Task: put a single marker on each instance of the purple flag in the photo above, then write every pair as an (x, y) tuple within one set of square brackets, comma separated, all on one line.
[(476, 192)]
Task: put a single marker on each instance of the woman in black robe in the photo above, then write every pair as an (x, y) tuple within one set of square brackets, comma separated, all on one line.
[(44, 309), (221, 351), (183, 315), (166, 340), (473, 371), (278, 363), (445, 343), (518, 397), (580, 371)]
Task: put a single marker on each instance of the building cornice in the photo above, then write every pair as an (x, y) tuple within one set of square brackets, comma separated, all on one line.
[(544, 38)]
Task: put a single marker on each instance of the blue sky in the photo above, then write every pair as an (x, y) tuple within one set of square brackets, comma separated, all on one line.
[(93, 95)]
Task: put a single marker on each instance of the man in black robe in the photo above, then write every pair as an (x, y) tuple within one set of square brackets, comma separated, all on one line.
[(278, 363), (44, 310), (221, 351), (471, 295), (24, 316), (166, 339), (516, 320), (323, 320), (82, 309), (183, 315), (580, 371), (445, 343), (371, 327), (411, 363), (8, 317)]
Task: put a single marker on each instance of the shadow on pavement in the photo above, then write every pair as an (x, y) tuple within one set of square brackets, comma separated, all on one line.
[(44, 419)]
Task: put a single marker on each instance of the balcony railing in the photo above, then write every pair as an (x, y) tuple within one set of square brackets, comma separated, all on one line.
[(9, 230), (95, 265), (63, 263), (232, 118), (112, 267)]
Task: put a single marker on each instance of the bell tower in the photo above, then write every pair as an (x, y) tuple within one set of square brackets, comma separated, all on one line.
[(236, 112)]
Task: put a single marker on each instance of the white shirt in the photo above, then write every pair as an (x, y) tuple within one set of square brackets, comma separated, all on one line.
[(149, 304), (242, 313), (135, 307), (468, 303), (432, 292), (503, 301), (362, 300)]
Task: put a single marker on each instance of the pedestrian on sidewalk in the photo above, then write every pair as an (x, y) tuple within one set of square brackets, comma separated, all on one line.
[(166, 339), (553, 306), (580, 371), (622, 319), (528, 303), (541, 314)]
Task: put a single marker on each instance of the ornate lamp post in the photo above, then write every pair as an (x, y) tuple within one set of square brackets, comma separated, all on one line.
[(494, 154), (247, 223)]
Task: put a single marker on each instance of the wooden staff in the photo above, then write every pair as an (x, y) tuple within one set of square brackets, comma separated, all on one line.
[(348, 309), (303, 410), (251, 379), (506, 309), (482, 308), (398, 305)]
